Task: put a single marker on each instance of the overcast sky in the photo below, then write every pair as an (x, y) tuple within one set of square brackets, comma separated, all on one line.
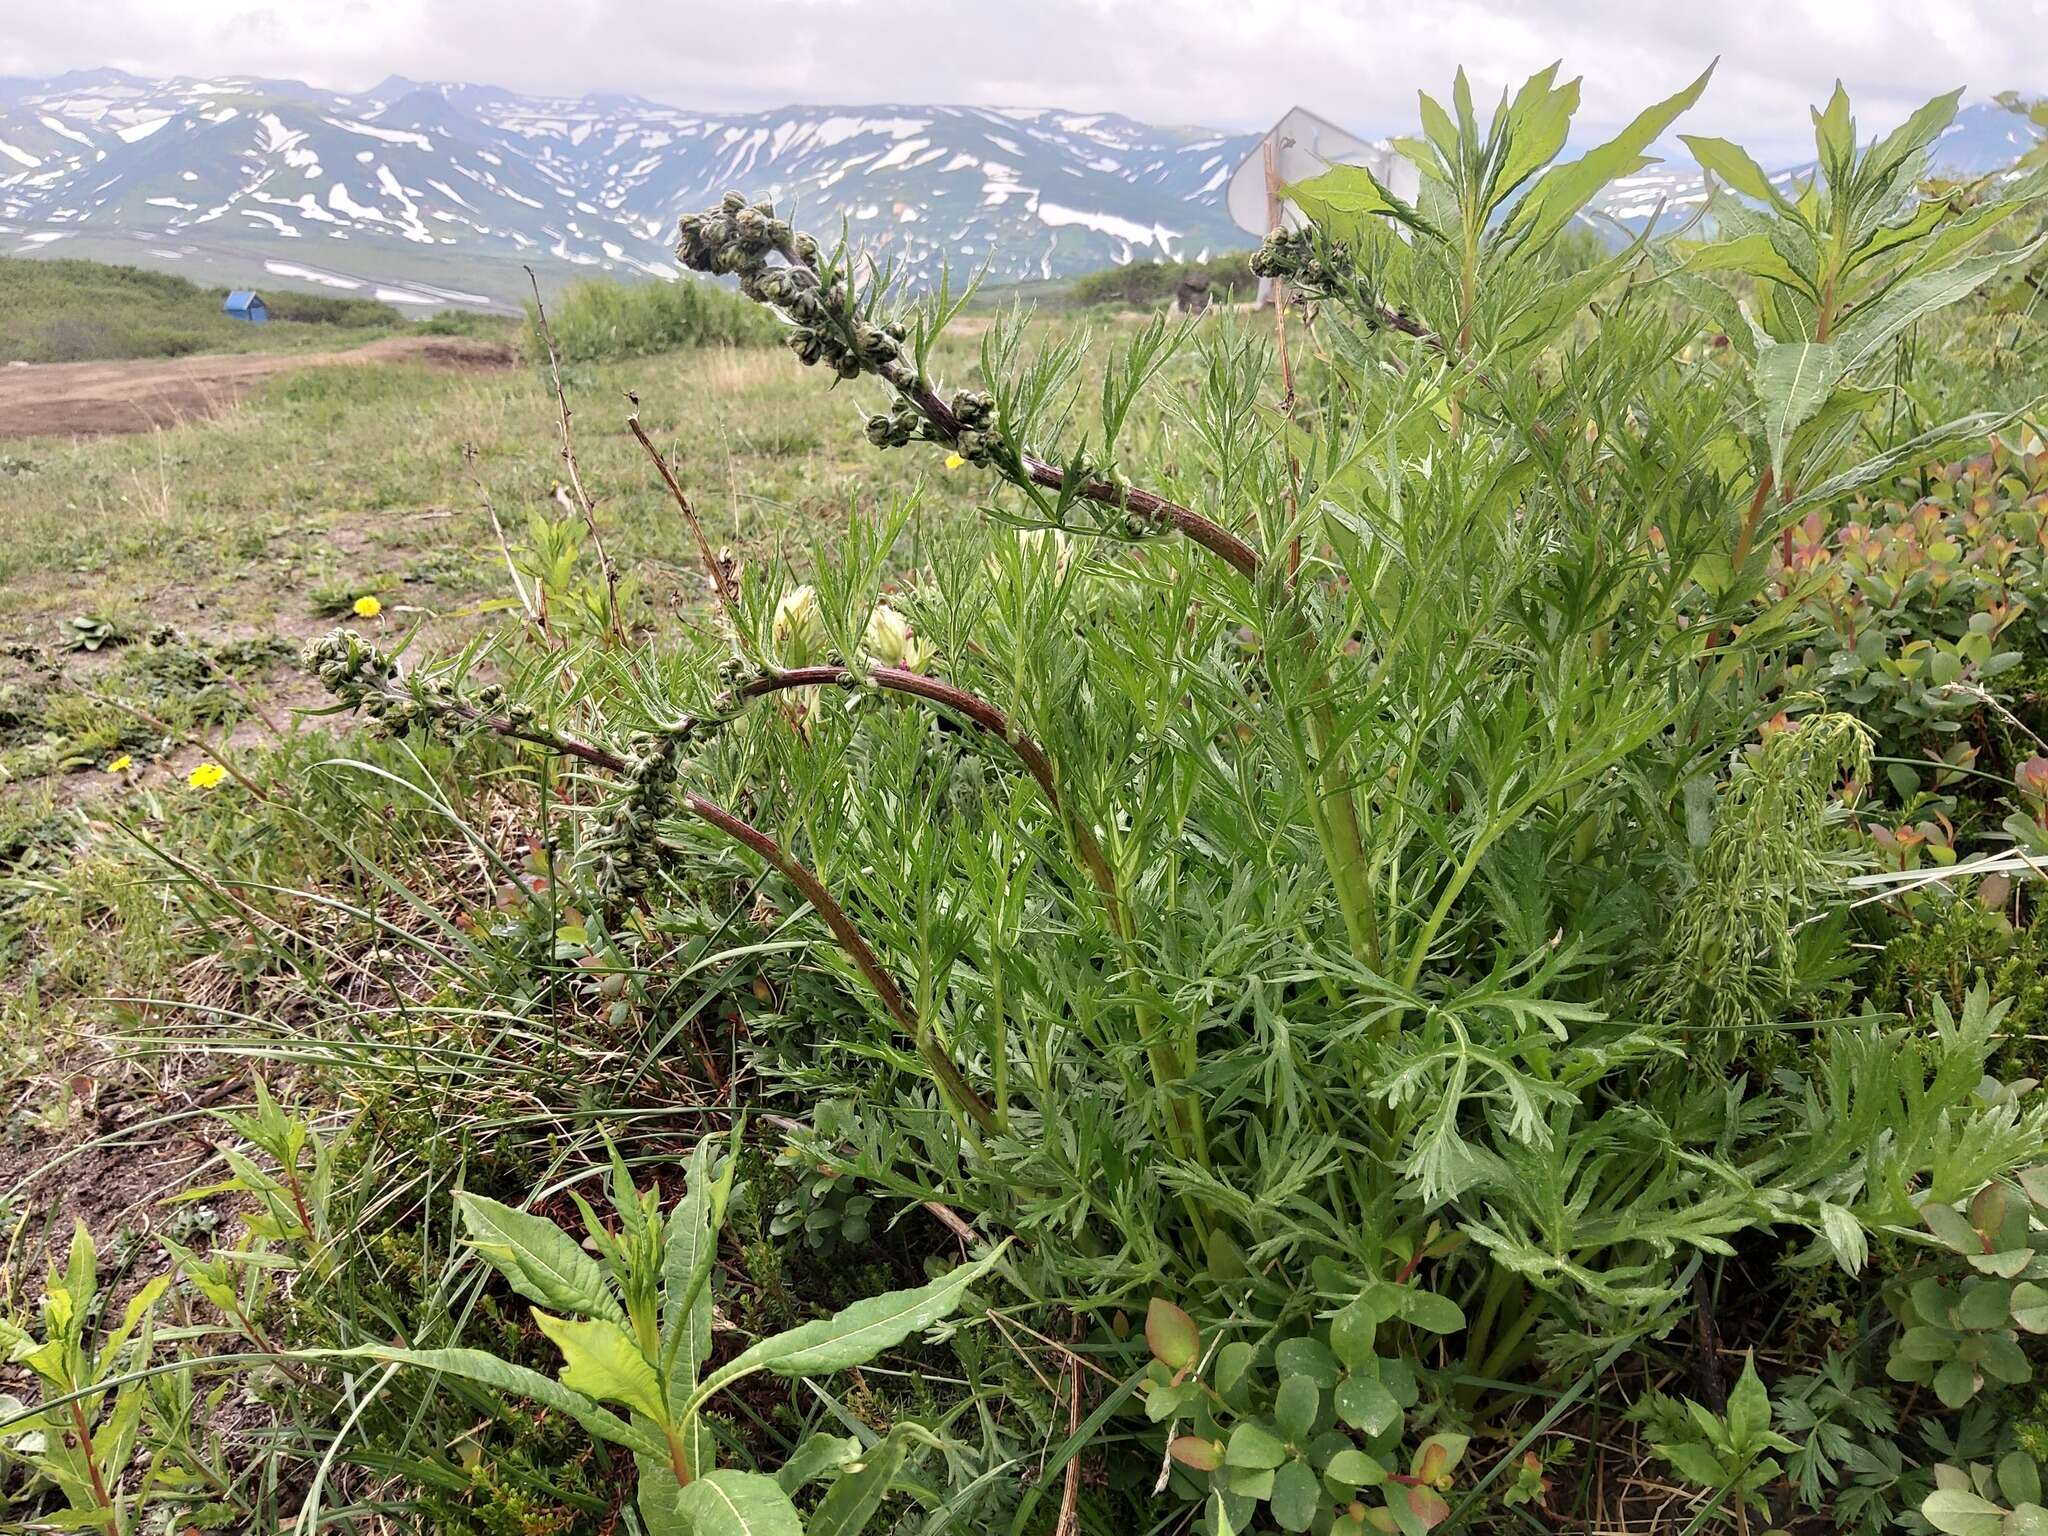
[(1230, 65)]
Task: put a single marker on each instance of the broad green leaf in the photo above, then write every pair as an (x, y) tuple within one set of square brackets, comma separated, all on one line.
[(1793, 379), (850, 1503), (1924, 448), (1366, 1405), (1431, 1312), (1871, 325), (1351, 192), (817, 1455), (1914, 134), (1732, 163), (1564, 189), (1834, 135), (1749, 1408), (1956, 1383), (853, 1336), (1354, 1469), (1538, 122), (689, 1250), (2030, 1306), (1958, 1512), (1352, 1332), (517, 1379), (730, 1503), (537, 1258), (600, 1360), (1295, 1406), (2019, 1478), (1695, 1463), (1756, 254)]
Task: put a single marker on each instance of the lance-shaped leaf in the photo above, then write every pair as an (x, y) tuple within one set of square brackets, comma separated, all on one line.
[(853, 1336), (489, 1370), (1793, 380), (537, 1258), (1563, 190), (850, 1503), (1871, 325), (1732, 163), (690, 1249)]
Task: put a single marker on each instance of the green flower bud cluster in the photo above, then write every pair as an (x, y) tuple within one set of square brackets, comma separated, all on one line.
[(627, 853), (737, 238), (977, 442), (1291, 256)]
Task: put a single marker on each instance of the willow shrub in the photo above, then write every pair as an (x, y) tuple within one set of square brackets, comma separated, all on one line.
[(1337, 878)]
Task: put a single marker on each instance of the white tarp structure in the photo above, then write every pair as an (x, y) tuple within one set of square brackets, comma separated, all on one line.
[(1302, 145)]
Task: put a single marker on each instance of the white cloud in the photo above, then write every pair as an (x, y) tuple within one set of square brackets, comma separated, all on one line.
[(1236, 64)]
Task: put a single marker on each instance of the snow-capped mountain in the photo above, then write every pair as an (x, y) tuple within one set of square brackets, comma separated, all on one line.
[(1984, 137), (438, 194)]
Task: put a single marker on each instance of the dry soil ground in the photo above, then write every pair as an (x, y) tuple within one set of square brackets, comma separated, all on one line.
[(136, 395)]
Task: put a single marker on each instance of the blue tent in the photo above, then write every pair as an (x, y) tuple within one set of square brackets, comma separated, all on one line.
[(245, 304)]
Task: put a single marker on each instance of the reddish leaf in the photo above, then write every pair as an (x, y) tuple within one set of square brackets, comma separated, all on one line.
[(1194, 1451), (1172, 1334)]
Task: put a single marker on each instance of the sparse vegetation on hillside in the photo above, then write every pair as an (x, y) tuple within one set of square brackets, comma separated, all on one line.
[(65, 311), (1148, 284)]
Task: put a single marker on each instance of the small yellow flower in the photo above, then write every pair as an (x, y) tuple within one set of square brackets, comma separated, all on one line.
[(206, 775), (954, 461), (368, 607), (121, 764)]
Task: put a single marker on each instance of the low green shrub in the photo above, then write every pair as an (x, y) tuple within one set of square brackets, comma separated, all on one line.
[(593, 321)]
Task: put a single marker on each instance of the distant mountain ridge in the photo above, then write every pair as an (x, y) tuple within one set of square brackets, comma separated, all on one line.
[(432, 194), (439, 193)]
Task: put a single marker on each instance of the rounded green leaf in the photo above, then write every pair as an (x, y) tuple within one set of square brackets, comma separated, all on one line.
[(1295, 1407), (2030, 1306), (1354, 1469), (1195, 1452), (1254, 1446), (1296, 1496)]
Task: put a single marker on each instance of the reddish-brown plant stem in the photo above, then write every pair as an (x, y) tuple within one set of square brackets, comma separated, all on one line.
[(719, 572), (950, 1079), (92, 1463), (1149, 505), (989, 719), (1750, 522)]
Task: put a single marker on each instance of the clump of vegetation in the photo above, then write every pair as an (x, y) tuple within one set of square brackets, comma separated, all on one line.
[(1372, 937), (1148, 284), (595, 320)]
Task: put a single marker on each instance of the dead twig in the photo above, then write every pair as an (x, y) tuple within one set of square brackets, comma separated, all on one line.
[(583, 504)]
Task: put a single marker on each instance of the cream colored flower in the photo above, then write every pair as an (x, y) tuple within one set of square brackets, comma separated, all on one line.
[(891, 641), (798, 630)]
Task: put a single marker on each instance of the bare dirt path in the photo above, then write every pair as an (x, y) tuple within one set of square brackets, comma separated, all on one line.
[(138, 395)]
